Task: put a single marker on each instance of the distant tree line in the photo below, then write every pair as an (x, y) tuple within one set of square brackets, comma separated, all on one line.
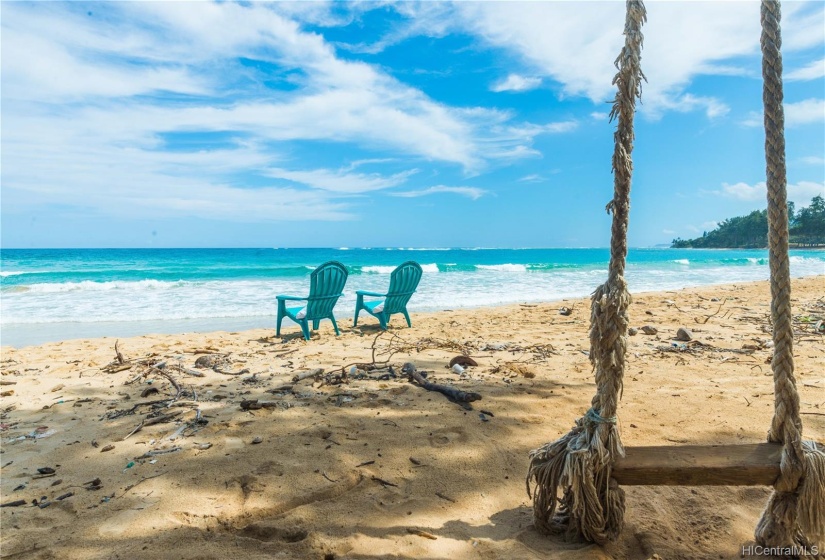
[(806, 228)]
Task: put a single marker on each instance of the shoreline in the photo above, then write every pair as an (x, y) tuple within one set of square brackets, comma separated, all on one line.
[(346, 467), (34, 334)]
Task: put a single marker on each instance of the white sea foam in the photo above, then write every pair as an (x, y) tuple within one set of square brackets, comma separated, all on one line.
[(682, 261), (210, 301), (503, 267), (378, 269)]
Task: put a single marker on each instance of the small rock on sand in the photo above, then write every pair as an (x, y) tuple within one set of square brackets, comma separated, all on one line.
[(684, 334), (647, 329)]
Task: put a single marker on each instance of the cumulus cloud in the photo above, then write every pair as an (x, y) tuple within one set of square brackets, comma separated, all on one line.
[(796, 114), (800, 193), (514, 82), (813, 71)]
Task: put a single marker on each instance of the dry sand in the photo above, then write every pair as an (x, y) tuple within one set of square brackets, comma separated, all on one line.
[(346, 471)]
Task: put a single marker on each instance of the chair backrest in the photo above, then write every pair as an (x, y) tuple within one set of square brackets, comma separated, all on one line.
[(325, 287), (403, 282)]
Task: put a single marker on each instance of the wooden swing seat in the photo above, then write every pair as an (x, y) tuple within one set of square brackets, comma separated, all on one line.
[(753, 464)]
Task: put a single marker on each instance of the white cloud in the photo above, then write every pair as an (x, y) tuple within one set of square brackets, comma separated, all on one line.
[(668, 232), (813, 160), (470, 192), (800, 193), (514, 82), (600, 115), (796, 114), (532, 178), (87, 114), (340, 181), (805, 112), (813, 71), (575, 44), (688, 102)]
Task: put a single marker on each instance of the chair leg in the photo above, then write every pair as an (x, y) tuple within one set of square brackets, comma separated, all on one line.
[(335, 325), (359, 304), (315, 323), (305, 328), (281, 313), (383, 320), (407, 317)]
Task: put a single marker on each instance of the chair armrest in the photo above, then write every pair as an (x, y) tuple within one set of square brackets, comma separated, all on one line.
[(372, 294), (291, 298)]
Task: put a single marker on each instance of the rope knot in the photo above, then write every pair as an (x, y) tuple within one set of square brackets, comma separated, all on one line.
[(594, 417)]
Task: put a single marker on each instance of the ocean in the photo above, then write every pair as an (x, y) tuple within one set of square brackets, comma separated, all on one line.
[(59, 294)]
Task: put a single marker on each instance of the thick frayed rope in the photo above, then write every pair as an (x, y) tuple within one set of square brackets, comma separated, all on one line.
[(795, 514), (580, 463)]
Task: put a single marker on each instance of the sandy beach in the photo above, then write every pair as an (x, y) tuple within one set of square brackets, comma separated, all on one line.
[(368, 465)]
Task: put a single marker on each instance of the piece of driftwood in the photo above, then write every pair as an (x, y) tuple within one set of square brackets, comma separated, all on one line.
[(463, 361), (421, 533), (255, 404), (152, 421), (463, 398), (307, 374)]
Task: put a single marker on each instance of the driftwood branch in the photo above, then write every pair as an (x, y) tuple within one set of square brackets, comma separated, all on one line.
[(463, 398)]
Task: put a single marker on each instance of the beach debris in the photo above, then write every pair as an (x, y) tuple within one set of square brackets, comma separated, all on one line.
[(255, 404), (129, 465), (445, 497), (95, 484), (107, 448), (464, 361), (364, 464), (383, 482), (15, 503), (149, 391), (153, 453), (57, 482), (456, 395), (496, 346), (457, 369), (708, 317), (314, 373), (648, 329), (8, 393), (483, 417), (257, 439), (566, 311), (56, 388), (151, 422), (46, 470), (19, 487), (684, 334), (416, 462), (64, 496), (203, 446), (215, 362), (421, 533), (632, 331), (209, 361)]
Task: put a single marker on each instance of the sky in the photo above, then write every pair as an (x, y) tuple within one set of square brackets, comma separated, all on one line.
[(384, 124)]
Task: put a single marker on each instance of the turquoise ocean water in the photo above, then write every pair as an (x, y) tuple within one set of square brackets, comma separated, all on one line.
[(59, 294)]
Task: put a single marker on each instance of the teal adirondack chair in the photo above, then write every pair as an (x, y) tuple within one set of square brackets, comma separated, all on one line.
[(403, 282), (326, 283)]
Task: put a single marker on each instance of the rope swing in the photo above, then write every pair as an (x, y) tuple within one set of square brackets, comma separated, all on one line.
[(795, 513), (579, 465), (592, 505)]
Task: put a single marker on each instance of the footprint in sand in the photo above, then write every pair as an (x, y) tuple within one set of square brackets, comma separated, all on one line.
[(446, 436)]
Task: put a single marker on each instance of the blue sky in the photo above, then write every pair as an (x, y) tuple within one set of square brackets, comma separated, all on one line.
[(195, 124)]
